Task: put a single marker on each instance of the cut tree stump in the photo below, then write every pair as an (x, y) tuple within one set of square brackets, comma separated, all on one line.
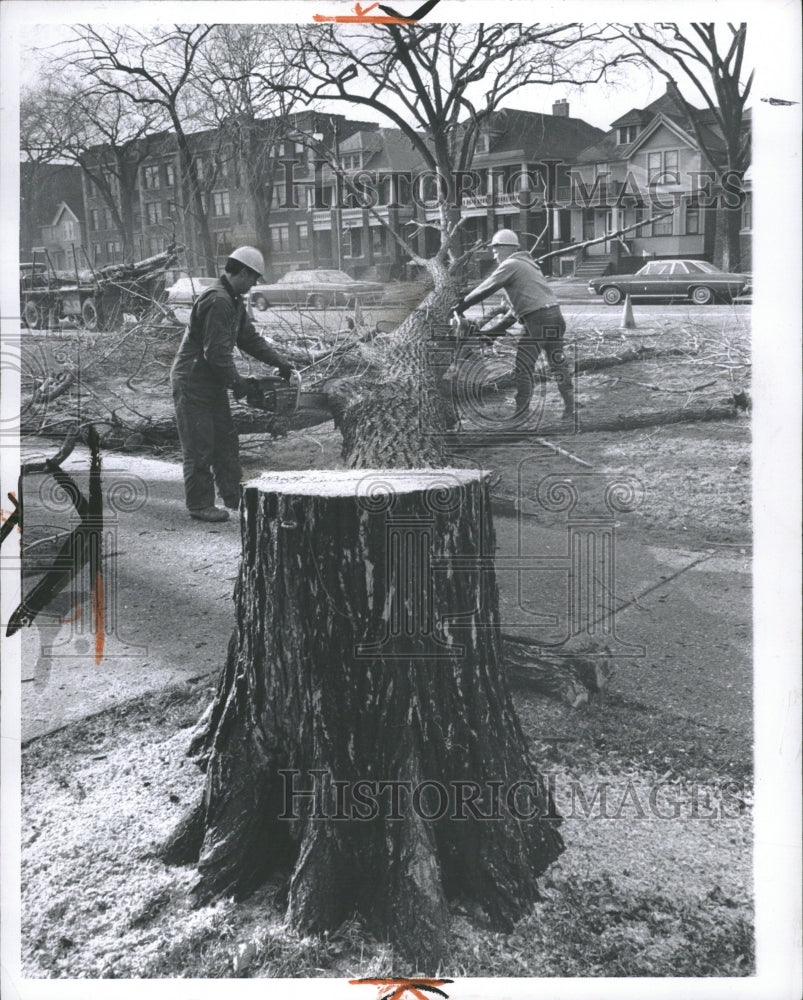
[(367, 649)]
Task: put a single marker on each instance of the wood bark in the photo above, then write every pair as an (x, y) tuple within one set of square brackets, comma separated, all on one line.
[(367, 648)]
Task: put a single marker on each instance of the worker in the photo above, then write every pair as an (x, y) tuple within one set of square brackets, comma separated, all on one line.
[(202, 373), (530, 301)]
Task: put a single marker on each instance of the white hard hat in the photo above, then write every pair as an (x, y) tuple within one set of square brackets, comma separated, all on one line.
[(504, 238), (251, 257)]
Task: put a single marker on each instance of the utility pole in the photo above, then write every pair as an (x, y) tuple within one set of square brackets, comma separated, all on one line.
[(336, 194)]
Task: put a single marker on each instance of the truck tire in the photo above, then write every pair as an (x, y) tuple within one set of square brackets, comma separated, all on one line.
[(90, 315), (32, 315)]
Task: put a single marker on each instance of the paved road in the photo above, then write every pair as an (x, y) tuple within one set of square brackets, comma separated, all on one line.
[(682, 631)]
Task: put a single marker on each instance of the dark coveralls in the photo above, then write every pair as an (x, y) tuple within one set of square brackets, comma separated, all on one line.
[(202, 372)]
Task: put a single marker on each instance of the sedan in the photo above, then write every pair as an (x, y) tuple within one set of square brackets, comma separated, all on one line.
[(317, 289), (696, 280)]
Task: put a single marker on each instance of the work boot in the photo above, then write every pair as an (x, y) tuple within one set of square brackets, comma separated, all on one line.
[(232, 502), (210, 514)]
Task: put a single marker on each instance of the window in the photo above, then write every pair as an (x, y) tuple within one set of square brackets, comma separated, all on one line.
[(107, 216), (94, 220), (110, 249), (377, 241), (679, 268), (97, 251), (302, 232), (353, 242), (747, 212), (241, 214), (482, 143), (153, 211), (170, 174), (671, 160), (69, 230), (220, 203), (692, 217), (627, 133), (659, 165), (640, 214), (150, 177), (154, 245), (663, 227), (280, 237)]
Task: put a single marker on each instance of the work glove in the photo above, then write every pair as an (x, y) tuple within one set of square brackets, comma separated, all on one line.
[(285, 371), (458, 307)]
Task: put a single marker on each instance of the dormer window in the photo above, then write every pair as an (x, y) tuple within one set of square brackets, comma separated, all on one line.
[(626, 134), (483, 144)]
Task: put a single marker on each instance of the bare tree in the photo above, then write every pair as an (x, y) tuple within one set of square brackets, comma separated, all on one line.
[(710, 57), (242, 90), (152, 68), (102, 133), (438, 83)]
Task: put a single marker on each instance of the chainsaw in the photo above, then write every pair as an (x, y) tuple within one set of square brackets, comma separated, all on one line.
[(273, 395)]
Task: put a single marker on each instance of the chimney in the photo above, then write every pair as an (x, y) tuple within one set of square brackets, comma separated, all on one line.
[(561, 108)]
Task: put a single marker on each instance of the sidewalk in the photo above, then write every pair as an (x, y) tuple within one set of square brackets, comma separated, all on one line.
[(682, 624)]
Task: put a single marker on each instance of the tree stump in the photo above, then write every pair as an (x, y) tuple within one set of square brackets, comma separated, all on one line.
[(363, 736)]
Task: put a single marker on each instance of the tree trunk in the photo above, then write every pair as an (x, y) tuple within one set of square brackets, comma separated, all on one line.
[(398, 413), (367, 649)]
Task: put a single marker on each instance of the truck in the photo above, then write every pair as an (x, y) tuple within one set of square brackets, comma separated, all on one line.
[(95, 299)]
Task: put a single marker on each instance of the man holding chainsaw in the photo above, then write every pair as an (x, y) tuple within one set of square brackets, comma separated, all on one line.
[(202, 372), (529, 300)]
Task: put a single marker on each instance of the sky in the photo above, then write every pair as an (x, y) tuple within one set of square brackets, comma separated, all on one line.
[(598, 104)]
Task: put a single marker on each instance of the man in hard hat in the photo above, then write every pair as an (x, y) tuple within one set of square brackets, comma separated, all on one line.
[(530, 300), (202, 372)]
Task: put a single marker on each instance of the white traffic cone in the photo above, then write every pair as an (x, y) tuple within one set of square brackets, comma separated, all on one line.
[(628, 323)]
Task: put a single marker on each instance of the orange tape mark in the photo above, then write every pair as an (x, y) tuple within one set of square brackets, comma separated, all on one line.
[(415, 987), (98, 613)]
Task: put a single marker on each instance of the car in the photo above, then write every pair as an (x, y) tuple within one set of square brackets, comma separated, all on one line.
[(696, 280), (316, 288), (187, 289)]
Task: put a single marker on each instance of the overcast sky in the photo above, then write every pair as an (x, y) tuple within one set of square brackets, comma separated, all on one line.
[(598, 104)]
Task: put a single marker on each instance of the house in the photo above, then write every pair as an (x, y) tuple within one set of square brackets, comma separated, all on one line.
[(43, 188), (63, 238), (648, 165), (349, 237), (307, 197), (520, 157)]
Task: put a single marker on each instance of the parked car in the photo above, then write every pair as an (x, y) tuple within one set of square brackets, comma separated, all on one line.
[(317, 289), (187, 289), (696, 280)]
